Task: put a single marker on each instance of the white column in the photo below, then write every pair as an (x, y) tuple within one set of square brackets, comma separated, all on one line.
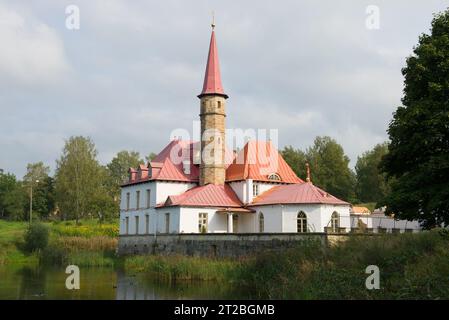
[(230, 222), (249, 191)]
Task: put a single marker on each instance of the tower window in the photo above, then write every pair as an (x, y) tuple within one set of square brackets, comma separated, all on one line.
[(219, 104)]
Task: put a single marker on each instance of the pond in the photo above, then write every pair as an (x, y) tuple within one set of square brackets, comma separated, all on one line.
[(104, 284)]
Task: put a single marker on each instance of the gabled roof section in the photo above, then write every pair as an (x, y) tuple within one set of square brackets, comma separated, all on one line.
[(258, 160), (301, 193), (178, 161), (209, 195)]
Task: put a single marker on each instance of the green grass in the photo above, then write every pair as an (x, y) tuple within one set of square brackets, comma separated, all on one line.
[(87, 244), (11, 234), (174, 268), (412, 266)]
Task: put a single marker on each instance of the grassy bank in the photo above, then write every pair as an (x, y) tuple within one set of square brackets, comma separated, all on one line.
[(412, 266), (88, 244)]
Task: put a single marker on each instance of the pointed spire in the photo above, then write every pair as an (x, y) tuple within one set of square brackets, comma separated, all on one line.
[(212, 78)]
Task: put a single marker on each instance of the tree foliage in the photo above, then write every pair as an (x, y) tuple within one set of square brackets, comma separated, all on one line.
[(418, 157), (329, 166), (80, 180), (372, 185), (12, 197), (37, 176), (118, 169)]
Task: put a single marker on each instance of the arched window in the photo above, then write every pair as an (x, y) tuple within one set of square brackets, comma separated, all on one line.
[(301, 222), (219, 104), (274, 177), (335, 222), (261, 223)]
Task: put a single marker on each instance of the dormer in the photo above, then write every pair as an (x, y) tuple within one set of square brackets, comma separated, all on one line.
[(274, 177), (132, 174), (154, 168), (142, 172)]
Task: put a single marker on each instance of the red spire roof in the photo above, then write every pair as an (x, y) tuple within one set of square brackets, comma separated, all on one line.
[(212, 78)]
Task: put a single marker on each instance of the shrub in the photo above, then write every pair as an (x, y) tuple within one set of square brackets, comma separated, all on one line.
[(36, 237)]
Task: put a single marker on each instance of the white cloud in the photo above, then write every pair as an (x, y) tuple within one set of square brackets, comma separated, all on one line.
[(31, 52)]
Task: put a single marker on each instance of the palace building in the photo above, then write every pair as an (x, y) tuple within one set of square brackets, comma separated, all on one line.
[(186, 190)]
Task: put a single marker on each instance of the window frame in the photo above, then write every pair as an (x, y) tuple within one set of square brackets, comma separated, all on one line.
[(335, 222), (301, 222), (167, 222), (261, 222), (203, 221), (148, 198), (255, 189), (137, 199)]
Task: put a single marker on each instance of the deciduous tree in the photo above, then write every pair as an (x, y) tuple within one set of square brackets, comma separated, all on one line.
[(418, 157)]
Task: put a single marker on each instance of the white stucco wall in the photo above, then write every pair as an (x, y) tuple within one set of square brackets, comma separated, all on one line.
[(189, 219), (240, 190), (160, 190), (283, 218)]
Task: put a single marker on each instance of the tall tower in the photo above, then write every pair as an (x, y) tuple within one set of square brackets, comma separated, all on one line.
[(212, 115)]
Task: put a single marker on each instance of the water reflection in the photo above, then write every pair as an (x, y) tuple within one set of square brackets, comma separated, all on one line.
[(104, 284)]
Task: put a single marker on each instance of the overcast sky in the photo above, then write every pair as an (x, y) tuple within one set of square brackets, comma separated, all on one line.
[(131, 73)]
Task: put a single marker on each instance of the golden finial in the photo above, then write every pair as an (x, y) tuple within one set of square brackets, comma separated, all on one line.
[(213, 21), (308, 172)]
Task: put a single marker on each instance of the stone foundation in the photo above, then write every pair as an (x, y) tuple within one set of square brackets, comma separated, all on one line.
[(218, 245)]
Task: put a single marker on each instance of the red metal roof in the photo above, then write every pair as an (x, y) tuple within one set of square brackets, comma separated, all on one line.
[(212, 78), (257, 160), (300, 193), (209, 195), (168, 165)]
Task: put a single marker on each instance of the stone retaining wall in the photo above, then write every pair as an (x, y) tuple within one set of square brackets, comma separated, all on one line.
[(218, 245)]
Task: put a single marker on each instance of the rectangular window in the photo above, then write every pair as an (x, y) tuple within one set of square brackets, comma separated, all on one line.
[(147, 224), (137, 224), (202, 222), (137, 200), (127, 201), (127, 225), (148, 198), (167, 223), (255, 189)]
